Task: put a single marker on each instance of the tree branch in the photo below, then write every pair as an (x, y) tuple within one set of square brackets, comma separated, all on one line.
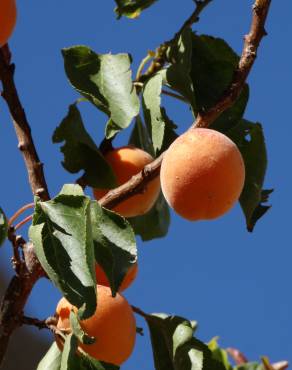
[(19, 289), (249, 53), (138, 182)]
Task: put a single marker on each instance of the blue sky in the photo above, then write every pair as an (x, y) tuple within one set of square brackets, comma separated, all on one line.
[(236, 284)]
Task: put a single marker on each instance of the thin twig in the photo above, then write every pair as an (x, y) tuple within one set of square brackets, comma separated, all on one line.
[(19, 212), (160, 59), (40, 324), (23, 222), (138, 311)]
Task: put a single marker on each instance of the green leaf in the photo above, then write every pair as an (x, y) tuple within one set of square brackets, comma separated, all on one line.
[(114, 243), (68, 360), (87, 362), (219, 354), (249, 138), (52, 359), (175, 348), (250, 366), (152, 111), (81, 153), (78, 331), (213, 66), (3, 227), (132, 8), (104, 79), (62, 235), (155, 223), (177, 75)]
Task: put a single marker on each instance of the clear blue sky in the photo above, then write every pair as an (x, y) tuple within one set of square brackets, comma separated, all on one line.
[(237, 285)]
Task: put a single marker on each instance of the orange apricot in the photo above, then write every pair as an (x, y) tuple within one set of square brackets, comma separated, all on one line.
[(102, 279), (126, 162), (202, 174), (7, 19), (113, 326)]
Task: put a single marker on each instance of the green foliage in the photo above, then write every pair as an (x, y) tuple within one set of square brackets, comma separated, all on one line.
[(175, 348), (70, 233), (250, 140), (81, 153), (155, 223), (3, 227), (177, 74), (52, 359), (70, 360), (219, 354), (114, 244), (105, 80), (62, 235), (78, 332), (132, 8), (160, 127)]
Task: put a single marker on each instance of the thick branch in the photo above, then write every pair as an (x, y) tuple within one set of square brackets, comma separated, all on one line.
[(25, 142), (19, 289), (249, 53)]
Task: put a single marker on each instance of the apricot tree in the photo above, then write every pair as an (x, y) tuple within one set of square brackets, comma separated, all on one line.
[(86, 245)]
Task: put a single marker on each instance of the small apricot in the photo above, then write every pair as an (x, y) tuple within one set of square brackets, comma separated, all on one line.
[(113, 326), (8, 15), (102, 279), (126, 162), (202, 174)]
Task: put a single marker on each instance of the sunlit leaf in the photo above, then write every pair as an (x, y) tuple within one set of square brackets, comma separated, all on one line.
[(62, 235), (52, 359), (132, 8), (104, 79)]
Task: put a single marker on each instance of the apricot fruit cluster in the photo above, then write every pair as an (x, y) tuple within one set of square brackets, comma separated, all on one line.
[(126, 162), (113, 326), (8, 14), (202, 174)]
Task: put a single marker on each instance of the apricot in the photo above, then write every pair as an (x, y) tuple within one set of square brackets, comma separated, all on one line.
[(113, 326), (7, 19), (102, 279), (202, 174), (126, 162)]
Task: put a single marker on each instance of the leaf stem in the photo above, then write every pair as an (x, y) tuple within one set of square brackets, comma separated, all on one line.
[(23, 222)]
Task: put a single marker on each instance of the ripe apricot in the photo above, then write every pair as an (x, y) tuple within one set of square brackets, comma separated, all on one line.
[(202, 174), (7, 19), (102, 279), (126, 162), (113, 326)]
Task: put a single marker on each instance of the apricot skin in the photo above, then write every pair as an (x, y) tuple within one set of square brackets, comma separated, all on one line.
[(202, 174), (8, 14), (113, 325), (126, 162), (128, 280)]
